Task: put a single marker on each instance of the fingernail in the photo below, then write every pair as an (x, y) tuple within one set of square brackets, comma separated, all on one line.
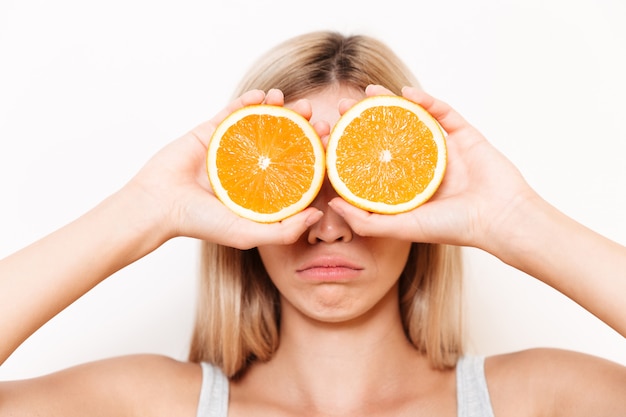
[(313, 218), (336, 208)]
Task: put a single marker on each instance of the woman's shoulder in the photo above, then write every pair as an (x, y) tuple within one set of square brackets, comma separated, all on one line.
[(171, 386), (150, 385), (554, 382)]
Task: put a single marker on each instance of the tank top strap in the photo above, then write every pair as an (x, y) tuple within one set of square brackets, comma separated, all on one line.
[(213, 400), (472, 392)]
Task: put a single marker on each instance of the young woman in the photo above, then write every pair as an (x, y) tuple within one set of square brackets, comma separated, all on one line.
[(334, 311)]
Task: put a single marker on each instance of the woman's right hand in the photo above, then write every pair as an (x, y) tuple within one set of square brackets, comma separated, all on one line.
[(174, 186)]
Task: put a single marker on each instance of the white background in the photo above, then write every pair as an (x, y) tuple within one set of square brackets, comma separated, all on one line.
[(90, 90)]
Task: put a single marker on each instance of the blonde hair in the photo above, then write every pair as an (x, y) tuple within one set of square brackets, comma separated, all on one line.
[(238, 313)]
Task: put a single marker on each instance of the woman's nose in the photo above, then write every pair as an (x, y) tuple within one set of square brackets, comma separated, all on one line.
[(331, 227)]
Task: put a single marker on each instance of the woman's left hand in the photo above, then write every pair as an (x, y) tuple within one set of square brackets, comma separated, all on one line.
[(480, 190)]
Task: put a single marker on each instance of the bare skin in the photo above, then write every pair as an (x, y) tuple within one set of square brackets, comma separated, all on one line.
[(335, 358)]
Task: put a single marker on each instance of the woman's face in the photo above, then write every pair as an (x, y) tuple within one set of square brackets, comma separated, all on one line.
[(332, 274)]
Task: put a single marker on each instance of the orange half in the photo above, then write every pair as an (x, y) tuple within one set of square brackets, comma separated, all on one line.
[(265, 162), (386, 155)]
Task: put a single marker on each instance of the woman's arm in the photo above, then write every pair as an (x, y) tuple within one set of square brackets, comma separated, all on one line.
[(484, 202), (169, 197), (42, 279), (588, 268)]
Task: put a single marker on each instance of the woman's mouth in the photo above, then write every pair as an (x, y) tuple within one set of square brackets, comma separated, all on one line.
[(329, 269)]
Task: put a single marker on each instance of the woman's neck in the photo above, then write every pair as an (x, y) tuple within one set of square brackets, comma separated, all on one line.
[(339, 367)]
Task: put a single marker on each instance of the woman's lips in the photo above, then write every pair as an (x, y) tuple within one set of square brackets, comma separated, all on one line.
[(329, 269)]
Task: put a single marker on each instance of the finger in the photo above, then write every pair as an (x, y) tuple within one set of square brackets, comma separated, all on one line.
[(346, 104), (364, 223), (322, 128), (204, 131), (447, 117), (371, 90), (212, 221), (285, 232), (303, 107), (377, 90), (248, 98), (274, 97), (290, 229), (407, 226)]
